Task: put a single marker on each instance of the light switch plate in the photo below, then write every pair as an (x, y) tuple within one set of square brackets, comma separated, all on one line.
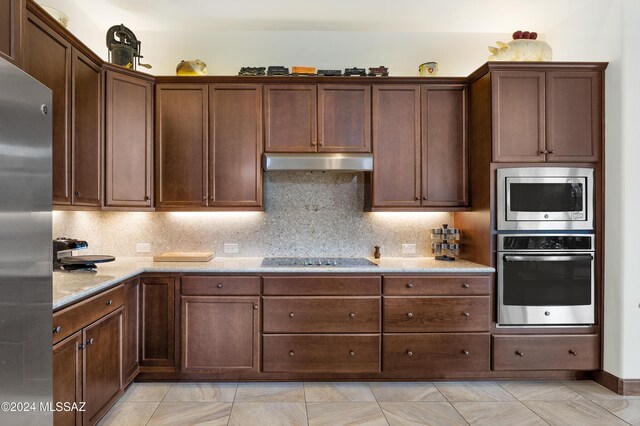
[(408, 249), (231, 248), (143, 248)]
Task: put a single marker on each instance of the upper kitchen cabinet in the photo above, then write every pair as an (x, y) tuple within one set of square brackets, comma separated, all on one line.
[(420, 146), (11, 21), (290, 118), (181, 145), (235, 147), (73, 73), (344, 118), (128, 139), (545, 113), (444, 145)]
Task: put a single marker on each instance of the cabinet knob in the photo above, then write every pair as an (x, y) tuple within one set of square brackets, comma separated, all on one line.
[(291, 315), (572, 352), (313, 142), (255, 306), (147, 198), (544, 152), (77, 193), (409, 353), (204, 198), (57, 330), (553, 151), (219, 285), (465, 352), (81, 346), (465, 285), (519, 353), (212, 198), (466, 314), (424, 198), (409, 285), (321, 143), (352, 315), (410, 315), (352, 353), (109, 302), (90, 341), (291, 353), (417, 198)]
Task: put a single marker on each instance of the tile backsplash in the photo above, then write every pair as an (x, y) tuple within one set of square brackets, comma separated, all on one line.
[(306, 214)]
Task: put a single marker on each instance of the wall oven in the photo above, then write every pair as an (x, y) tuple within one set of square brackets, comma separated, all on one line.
[(545, 279), (545, 198)]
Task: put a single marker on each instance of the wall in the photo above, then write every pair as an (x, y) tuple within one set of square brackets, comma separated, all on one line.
[(306, 214)]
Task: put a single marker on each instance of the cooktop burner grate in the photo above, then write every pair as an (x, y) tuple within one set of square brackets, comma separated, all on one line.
[(316, 261)]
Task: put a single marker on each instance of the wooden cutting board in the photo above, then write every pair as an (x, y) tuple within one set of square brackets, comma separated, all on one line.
[(187, 256)]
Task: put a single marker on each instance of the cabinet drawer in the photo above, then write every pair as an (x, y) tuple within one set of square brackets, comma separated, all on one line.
[(302, 285), (321, 315), (436, 314), (545, 352), (435, 353), (203, 285), (437, 285), (322, 353), (69, 320)]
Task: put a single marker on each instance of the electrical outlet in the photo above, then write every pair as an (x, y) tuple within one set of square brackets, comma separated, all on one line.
[(408, 249), (231, 248), (143, 248)]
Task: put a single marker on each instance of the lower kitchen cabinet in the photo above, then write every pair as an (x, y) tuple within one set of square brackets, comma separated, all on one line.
[(157, 322), (436, 352), (130, 331), (220, 334), (67, 378)]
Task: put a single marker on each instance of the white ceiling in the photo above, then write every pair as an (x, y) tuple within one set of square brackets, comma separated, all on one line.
[(462, 16)]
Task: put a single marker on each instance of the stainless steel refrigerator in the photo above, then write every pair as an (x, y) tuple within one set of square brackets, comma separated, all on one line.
[(25, 249)]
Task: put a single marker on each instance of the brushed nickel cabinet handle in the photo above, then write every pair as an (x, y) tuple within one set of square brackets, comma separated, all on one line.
[(409, 353), (291, 315), (90, 341), (219, 285), (466, 314), (519, 353), (352, 353), (57, 330), (465, 285), (291, 353), (465, 352), (572, 352), (352, 315), (409, 285), (109, 302), (410, 315)]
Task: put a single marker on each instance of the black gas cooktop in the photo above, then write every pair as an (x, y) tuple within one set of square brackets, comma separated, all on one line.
[(316, 261)]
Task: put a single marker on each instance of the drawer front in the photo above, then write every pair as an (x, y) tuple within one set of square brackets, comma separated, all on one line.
[(321, 353), (321, 315), (302, 285), (73, 318), (437, 285), (435, 353), (436, 314), (545, 352), (208, 285)]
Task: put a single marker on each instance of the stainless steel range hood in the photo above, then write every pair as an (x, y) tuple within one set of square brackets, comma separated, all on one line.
[(322, 162)]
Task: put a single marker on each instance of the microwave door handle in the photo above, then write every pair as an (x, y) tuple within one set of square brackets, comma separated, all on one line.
[(526, 258)]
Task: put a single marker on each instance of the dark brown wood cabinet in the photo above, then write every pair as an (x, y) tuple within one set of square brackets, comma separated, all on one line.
[(396, 146), (128, 139), (344, 118), (181, 145), (235, 145), (158, 322), (48, 59), (290, 118), (11, 24), (208, 345), (546, 115), (130, 331), (67, 375), (444, 145), (86, 130), (102, 366)]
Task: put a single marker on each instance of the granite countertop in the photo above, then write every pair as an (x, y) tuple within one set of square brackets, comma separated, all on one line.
[(71, 287)]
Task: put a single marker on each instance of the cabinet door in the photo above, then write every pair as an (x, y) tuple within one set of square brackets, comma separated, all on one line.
[(129, 140), (102, 383), (220, 333), (11, 14), (344, 118), (130, 331), (181, 145), (518, 99), (290, 118), (67, 379), (396, 144), (48, 59), (157, 321), (235, 134), (444, 145), (574, 121), (86, 131)]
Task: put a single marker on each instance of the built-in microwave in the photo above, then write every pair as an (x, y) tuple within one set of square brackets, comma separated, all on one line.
[(545, 198)]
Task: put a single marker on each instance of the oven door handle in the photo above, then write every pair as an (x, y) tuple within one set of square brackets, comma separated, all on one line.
[(526, 258)]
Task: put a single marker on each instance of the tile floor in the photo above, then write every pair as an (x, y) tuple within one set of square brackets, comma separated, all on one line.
[(521, 403)]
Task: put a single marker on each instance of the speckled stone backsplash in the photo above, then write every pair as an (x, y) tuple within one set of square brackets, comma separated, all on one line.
[(306, 214)]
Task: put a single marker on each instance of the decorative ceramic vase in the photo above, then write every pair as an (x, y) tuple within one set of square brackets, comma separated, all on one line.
[(191, 68), (58, 15), (428, 69)]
